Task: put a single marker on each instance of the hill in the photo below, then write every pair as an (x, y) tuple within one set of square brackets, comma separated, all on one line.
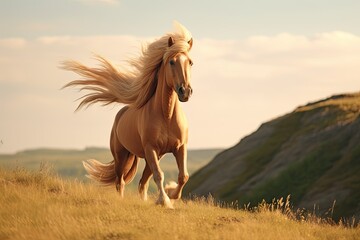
[(39, 205), (312, 153), (68, 162)]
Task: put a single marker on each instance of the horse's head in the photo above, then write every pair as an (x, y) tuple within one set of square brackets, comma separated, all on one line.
[(178, 70)]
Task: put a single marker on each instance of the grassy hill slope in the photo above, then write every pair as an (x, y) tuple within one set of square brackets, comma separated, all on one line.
[(37, 205), (312, 153)]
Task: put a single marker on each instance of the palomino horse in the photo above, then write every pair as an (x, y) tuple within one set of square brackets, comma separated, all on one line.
[(152, 123)]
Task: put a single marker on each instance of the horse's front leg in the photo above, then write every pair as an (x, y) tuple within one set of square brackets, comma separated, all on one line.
[(152, 160), (174, 190)]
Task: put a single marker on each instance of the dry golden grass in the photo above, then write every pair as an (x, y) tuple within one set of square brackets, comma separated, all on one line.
[(36, 205)]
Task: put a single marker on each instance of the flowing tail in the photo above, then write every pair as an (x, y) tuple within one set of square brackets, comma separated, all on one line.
[(105, 174)]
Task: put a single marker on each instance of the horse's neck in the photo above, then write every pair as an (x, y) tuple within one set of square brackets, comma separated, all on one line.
[(165, 97)]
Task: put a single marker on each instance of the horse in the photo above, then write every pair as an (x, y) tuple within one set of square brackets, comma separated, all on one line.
[(152, 122)]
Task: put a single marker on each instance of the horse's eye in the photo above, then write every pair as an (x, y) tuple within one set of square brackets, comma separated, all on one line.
[(172, 62)]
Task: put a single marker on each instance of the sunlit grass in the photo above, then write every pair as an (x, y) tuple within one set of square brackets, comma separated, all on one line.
[(39, 205)]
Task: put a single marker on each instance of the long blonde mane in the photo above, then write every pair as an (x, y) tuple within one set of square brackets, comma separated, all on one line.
[(137, 84)]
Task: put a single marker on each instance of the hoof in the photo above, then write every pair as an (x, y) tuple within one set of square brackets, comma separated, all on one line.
[(165, 202), (143, 196)]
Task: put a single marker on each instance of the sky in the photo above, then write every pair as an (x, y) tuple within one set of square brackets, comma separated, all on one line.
[(253, 61)]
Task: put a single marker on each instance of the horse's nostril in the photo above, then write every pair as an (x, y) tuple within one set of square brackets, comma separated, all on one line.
[(181, 90)]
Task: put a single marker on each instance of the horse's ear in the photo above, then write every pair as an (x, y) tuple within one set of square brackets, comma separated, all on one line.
[(171, 41), (190, 42)]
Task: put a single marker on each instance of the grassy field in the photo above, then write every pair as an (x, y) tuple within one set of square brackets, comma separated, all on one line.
[(68, 163), (39, 205)]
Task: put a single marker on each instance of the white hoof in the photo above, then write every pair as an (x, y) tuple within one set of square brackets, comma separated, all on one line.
[(143, 196), (165, 202)]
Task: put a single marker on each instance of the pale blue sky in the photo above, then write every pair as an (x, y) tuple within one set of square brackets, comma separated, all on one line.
[(227, 19), (254, 61)]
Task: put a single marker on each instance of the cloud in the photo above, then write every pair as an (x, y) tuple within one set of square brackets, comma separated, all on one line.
[(273, 58), (47, 40), (279, 43), (12, 42), (95, 42), (238, 84), (104, 2)]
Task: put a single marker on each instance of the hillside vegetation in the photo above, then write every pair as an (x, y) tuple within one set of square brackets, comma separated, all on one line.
[(312, 153), (39, 205)]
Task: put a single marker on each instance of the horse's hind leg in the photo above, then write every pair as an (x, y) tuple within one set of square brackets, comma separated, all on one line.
[(120, 154), (133, 163), (119, 170), (144, 182), (123, 163)]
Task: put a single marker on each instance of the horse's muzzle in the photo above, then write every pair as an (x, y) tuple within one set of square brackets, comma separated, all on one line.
[(184, 93)]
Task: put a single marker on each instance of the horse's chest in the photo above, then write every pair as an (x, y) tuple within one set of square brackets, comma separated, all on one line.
[(169, 136), (158, 132)]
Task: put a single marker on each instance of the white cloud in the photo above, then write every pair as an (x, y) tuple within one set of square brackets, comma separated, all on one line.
[(238, 84), (106, 2), (280, 43), (96, 42), (267, 57), (12, 42), (56, 40)]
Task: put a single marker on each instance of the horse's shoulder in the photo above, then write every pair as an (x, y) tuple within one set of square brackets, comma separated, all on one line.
[(121, 112)]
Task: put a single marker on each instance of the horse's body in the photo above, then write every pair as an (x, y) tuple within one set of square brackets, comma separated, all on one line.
[(153, 123)]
